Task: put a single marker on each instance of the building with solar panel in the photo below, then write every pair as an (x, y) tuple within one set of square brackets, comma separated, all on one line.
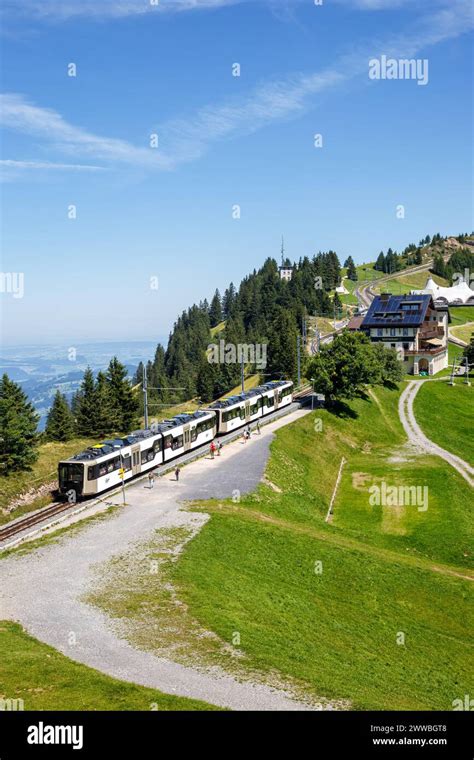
[(414, 327)]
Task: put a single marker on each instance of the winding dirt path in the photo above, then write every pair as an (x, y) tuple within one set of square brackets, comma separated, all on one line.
[(419, 439), (45, 590)]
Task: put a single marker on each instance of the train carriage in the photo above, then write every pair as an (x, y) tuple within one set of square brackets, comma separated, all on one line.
[(186, 432), (101, 467), (236, 411)]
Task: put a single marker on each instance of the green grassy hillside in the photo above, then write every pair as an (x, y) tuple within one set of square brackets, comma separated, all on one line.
[(445, 414), (47, 680), (326, 606)]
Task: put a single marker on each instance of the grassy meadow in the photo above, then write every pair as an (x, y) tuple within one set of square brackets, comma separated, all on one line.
[(372, 609)]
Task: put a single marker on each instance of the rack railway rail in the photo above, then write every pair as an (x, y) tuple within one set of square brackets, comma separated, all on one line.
[(43, 518)]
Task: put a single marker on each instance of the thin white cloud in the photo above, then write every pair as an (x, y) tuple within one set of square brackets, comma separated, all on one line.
[(10, 164), (186, 139), (18, 114), (63, 10)]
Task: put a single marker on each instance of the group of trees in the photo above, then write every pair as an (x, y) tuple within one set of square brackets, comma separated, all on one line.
[(351, 269), (18, 428), (462, 259), (264, 310), (344, 367), (390, 262), (103, 405)]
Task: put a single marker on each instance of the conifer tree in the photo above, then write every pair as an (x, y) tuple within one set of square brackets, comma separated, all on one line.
[(60, 420), (123, 399), (18, 428), (281, 350), (215, 311), (105, 420), (86, 405), (380, 263), (351, 269)]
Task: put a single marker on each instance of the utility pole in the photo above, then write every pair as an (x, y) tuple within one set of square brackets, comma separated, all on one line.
[(466, 378), (451, 380), (145, 397), (122, 475), (242, 375), (298, 357)]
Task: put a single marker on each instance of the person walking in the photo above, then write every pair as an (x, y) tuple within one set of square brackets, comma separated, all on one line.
[(258, 427), (248, 431), (219, 446), (151, 479), (176, 472), (212, 449)]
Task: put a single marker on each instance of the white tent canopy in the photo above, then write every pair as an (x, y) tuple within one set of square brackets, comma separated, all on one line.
[(460, 293)]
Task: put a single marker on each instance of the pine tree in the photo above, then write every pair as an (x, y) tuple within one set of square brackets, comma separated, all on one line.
[(60, 420), (18, 428), (337, 305), (123, 399), (351, 269), (281, 350), (86, 405), (105, 421), (380, 263), (205, 381), (215, 312)]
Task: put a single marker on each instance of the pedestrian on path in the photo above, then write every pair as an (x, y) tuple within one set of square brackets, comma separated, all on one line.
[(258, 427), (151, 479), (177, 471), (248, 431), (219, 446), (212, 449)]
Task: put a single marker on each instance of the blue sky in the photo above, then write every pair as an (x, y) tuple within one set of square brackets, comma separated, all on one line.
[(223, 140)]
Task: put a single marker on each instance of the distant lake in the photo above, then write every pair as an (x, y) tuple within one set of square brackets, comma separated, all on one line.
[(43, 369)]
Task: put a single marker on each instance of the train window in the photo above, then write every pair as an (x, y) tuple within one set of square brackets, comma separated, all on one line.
[(168, 442), (194, 434), (157, 444), (92, 473), (178, 442), (127, 463), (102, 470)]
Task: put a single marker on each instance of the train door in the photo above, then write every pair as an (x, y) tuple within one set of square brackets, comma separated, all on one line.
[(247, 411), (275, 396), (135, 460), (187, 437)]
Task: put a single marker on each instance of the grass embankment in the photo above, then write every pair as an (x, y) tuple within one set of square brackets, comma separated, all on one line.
[(386, 573), (406, 283), (47, 680), (461, 314), (43, 471), (445, 415), (463, 332)]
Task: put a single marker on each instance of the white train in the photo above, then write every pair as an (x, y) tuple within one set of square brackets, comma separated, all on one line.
[(100, 467)]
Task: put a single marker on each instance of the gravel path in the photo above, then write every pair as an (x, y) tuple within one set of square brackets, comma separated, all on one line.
[(43, 589), (419, 439)]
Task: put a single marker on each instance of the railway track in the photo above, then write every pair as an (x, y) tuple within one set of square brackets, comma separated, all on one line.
[(22, 524), (29, 521)]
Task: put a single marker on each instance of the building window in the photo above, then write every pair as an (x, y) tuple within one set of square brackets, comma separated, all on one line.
[(379, 331)]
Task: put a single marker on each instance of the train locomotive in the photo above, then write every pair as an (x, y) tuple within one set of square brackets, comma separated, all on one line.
[(106, 464)]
